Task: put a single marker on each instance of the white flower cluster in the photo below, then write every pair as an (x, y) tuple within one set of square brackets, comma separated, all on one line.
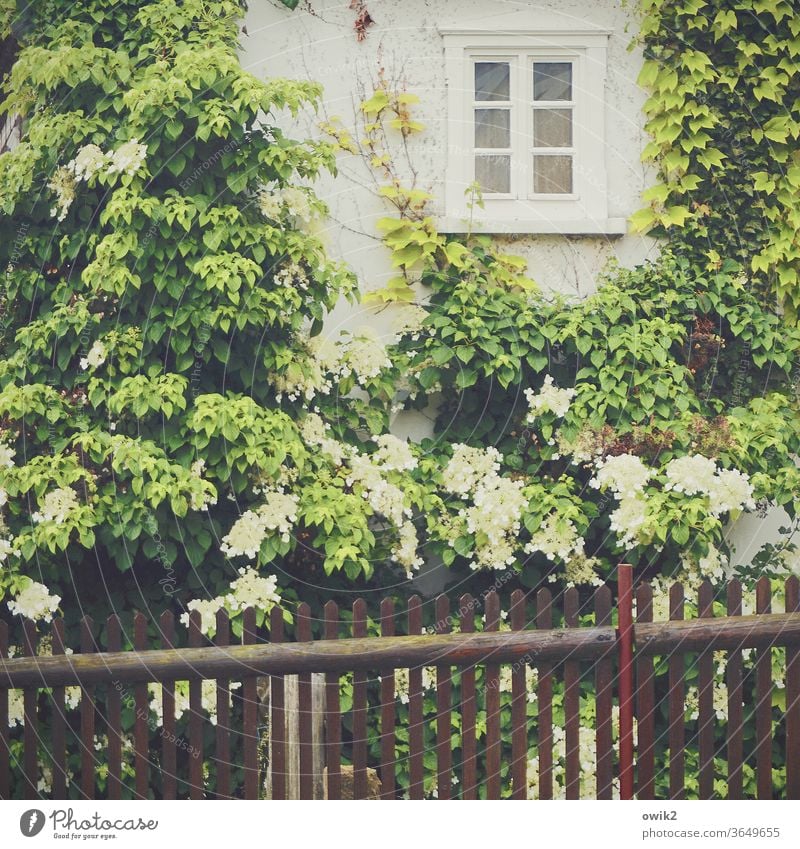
[(314, 431), (249, 590), (383, 497), (497, 504), (624, 474), (549, 399), (96, 356), (35, 602), (7, 454), (89, 161), (394, 454), (557, 539), (405, 552), (411, 320), (628, 520), (727, 489), (276, 515), (57, 506), (274, 203), (362, 355), (468, 466)]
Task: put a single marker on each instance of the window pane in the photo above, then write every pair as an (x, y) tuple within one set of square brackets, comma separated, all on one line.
[(492, 81), (493, 173), (552, 80), (552, 128), (552, 175), (493, 128)]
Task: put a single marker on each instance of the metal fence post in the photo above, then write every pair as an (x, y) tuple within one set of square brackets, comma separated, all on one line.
[(625, 645)]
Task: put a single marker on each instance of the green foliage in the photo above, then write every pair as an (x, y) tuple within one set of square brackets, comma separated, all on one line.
[(724, 124)]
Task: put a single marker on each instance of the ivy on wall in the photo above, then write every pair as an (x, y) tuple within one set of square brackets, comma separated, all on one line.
[(724, 120)]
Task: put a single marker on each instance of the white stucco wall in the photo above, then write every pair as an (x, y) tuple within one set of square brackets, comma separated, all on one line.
[(406, 43)]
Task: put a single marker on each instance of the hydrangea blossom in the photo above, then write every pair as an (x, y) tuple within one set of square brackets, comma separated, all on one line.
[(628, 519), (128, 158), (625, 474), (314, 431), (558, 539), (89, 160), (468, 466), (276, 515), (96, 356), (394, 454), (405, 552), (35, 602), (727, 489), (494, 519), (383, 497), (7, 454), (57, 506), (732, 491), (62, 184), (691, 474), (549, 399), (273, 203)]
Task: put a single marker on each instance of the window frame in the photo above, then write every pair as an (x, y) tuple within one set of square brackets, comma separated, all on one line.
[(585, 210)]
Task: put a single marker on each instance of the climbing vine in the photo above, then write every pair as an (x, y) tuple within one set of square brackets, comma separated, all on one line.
[(724, 120)]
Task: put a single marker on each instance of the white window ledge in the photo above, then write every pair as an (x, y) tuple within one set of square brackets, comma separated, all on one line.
[(580, 227)]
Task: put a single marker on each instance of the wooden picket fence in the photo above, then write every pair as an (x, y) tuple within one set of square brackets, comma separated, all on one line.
[(621, 662)]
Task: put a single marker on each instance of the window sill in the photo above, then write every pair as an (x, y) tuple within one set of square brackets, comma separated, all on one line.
[(527, 226)]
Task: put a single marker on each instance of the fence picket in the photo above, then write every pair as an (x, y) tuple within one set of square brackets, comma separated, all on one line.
[(492, 607), (764, 700), (141, 727), (544, 620), (59, 721), (5, 752), (444, 759), (169, 763), (469, 789), (250, 712), (223, 738), (333, 717), (87, 718), (387, 709), (359, 708), (792, 699), (277, 726), (30, 641), (195, 716), (572, 703), (733, 679), (519, 707), (705, 667), (604, 701), (304, 707), (416, 789), (645, 703), (677, 733), (114, 713)]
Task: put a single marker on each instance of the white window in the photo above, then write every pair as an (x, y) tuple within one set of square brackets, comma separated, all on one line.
[(526, 117)]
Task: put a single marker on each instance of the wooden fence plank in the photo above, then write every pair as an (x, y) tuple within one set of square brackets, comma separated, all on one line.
[(572, 702), (59, 722), (222, 755), (792, 699), (114, 709), (764, 700), (388, 713), (645, 703), (705, 669), (359, 708), (469, 749), (544, 620), (519, 707), (195, 717), (169, 760), (306, 748), (492, 608), (30, 640), (677, 732), (444, 757), (5, 752), (416, 789), (250, 712), (277, 727), (733, 678), (604, 702), (333, 716), (87, 718), (141, 726)]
